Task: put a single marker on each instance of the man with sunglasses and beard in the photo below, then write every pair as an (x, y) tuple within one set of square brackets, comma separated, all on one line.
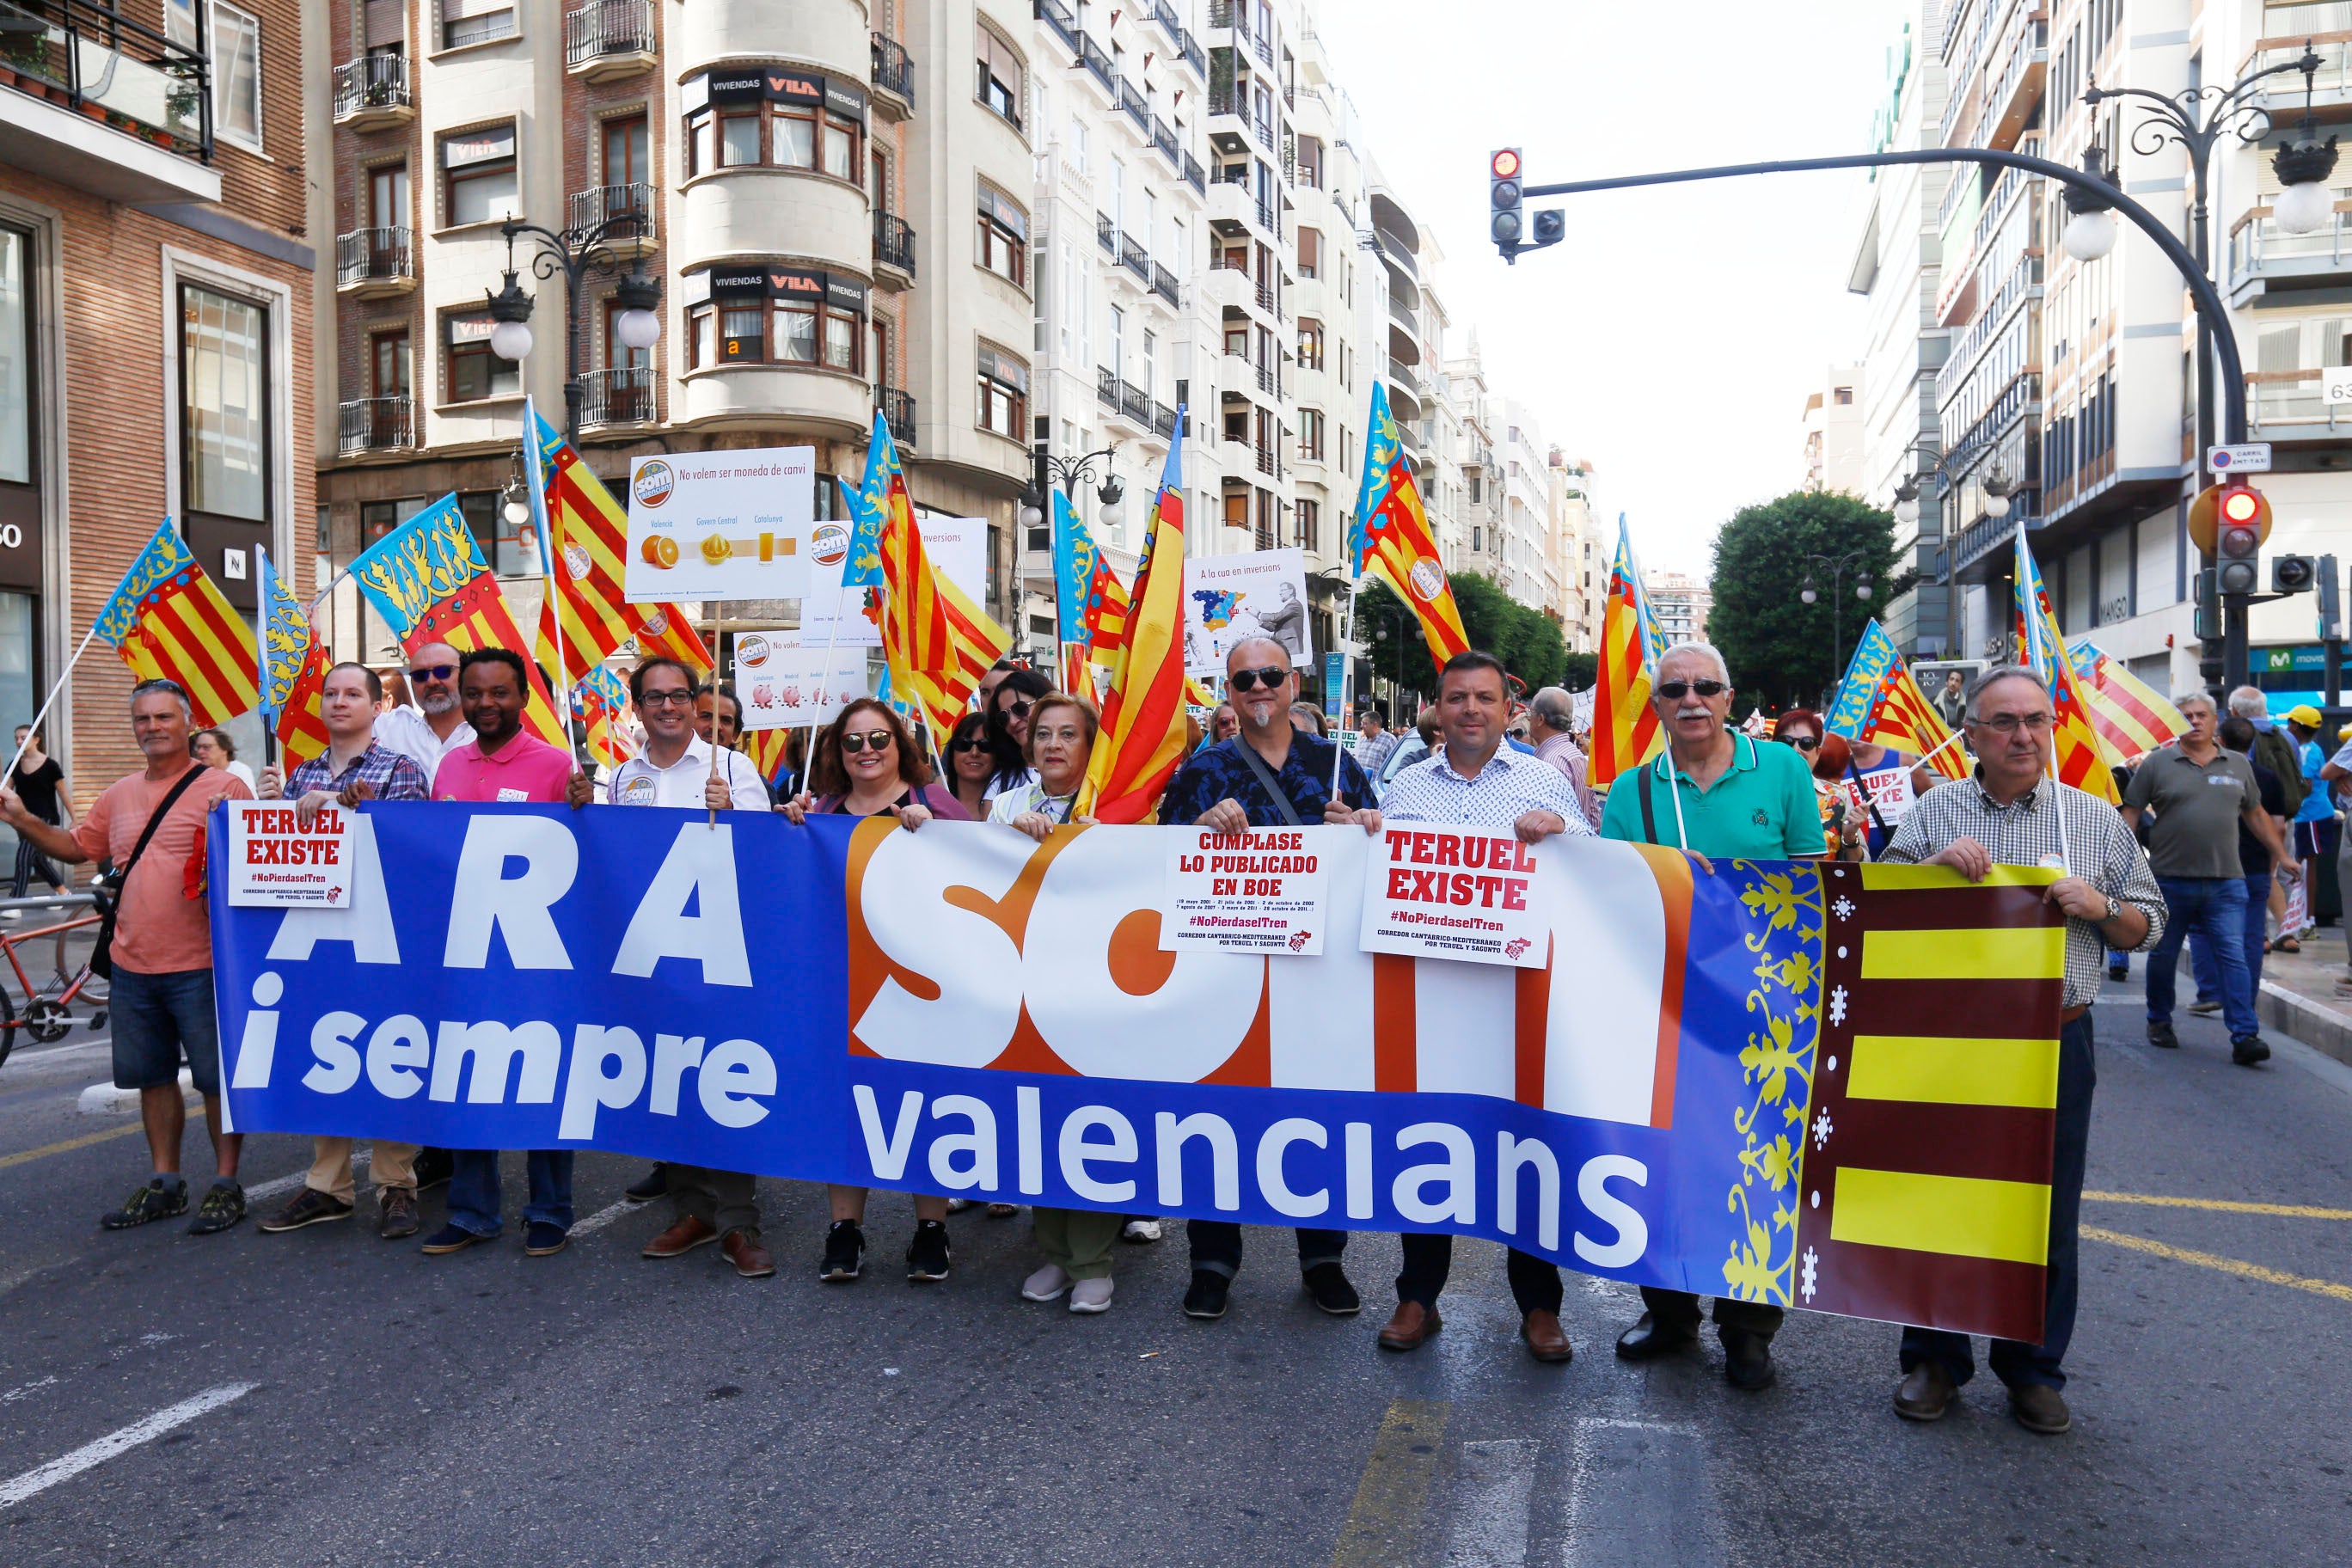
[(1271, 775), (1712, 793), (436, 725)]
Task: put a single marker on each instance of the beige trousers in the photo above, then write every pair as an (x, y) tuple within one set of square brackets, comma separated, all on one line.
[(1080, 1240), (393, 1165)]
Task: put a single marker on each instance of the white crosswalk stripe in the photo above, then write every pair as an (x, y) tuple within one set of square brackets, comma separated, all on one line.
[(1491, 1491)]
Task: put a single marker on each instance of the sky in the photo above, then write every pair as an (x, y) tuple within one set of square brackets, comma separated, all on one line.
[(1673, 337)]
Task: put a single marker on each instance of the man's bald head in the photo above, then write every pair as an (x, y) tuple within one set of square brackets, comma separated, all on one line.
[(1256, 652)]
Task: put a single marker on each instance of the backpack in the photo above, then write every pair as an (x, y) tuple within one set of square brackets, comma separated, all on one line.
[(2276, 752)]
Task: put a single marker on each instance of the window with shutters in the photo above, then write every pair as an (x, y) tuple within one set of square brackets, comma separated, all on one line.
[(474, 373), (385, 26), (465, 21), (1001, 85), (479, 181), (1003, 235)]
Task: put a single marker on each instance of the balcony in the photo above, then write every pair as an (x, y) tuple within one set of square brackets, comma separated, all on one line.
[(1265, 461), (1056, 17), (1985, 538), (1164, 15), (1106, 235), (2022, 285), (623, 213), (893, 77), (375, 263), (1098, 65), (606, 40), (372, 93), (2010, 106), (1137, 109), (375, 425), (105, 105), (1163, 421), (624, 395), (897, 410), (1269, 299), (1193, 175), (2281, 95), (1135, 258), (1194, 56), (2292, 405), (1135, 405), (1399, 252), (1163, 283), (1163, 137), (893, 244), (1107, 388), (2266, 260)]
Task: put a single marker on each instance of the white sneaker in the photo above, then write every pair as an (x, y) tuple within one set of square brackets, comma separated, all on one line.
[(1046, 1285), (1090, 1296), (956, 1205), (1140, 1230)]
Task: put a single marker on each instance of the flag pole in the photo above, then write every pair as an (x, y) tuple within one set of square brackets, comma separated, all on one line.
[(536, 483), (1347, 677), (261, 657), (48, 703), (718, 620)]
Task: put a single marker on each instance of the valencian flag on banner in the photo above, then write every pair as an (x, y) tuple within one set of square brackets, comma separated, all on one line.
[(1142, 735), (935, 641), (598, 700), (2074, 740), (2130, 717), (1090, 603), (1625, 728), (168, 622), (1880, 704), (293, 668), (587, 535), (428, 581), (1389, 536)]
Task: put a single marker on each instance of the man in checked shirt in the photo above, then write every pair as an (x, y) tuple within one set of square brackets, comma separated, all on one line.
[(2014, 813), (354, 767)]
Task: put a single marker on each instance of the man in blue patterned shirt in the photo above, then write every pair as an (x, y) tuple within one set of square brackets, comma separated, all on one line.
[(1269, 775)]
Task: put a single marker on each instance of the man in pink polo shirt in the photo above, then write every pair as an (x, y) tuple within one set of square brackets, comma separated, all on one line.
[(502, 763)]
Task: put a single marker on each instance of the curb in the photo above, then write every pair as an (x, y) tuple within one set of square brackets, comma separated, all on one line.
[(105, 1099), (2299, 1017)]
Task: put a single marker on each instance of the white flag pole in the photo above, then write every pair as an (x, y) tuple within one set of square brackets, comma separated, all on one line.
[(1347, 680), (49, 701)]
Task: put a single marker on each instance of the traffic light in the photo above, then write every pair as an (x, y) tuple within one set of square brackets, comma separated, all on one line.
[(1504, 189), (2206, 623), (2229, 521), (2293, 573), (1551, 226), (2331, 601)]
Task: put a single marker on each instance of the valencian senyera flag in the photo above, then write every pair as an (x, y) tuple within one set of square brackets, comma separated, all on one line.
[(1880, 704), (769, 750), (2075, 753), (1390, 537), (428, 579), (293, 668), (1090, 603), (1625, 728), (587, 533), (169, 622), (2130, 717), (1814, 1085), (1142, 735), (936, 642), (599, 698)]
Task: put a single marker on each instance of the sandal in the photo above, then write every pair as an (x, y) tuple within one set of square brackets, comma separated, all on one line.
[(2285, 944)]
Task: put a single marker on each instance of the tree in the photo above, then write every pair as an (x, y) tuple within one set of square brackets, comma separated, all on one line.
[(1583, 671), (1529, 642), (1779, 648)]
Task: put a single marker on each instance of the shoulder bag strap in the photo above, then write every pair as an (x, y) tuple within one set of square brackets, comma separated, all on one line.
[(1649, 808), (156, 821), (1271, 785)]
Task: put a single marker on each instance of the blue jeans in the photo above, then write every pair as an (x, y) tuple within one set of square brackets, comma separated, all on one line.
[(474, 1189), (2013, 1362), (2215, 909), (159, 1019), (2257, 931)]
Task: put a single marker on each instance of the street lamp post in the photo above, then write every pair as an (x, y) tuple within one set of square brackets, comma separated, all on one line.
[(1856, 561), (1069, 473), (574, 253)]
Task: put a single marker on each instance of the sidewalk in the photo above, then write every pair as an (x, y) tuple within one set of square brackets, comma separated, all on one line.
[(2299, 997)]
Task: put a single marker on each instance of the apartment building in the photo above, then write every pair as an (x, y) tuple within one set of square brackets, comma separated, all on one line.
[(1834, 434), (155, 326), (1682, 603), (1579, 564), (829, 201)]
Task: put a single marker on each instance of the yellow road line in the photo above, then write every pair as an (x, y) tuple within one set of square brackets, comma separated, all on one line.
[(1385, 1520), (2226, 1265), (67, 1146), (2289, 1211)]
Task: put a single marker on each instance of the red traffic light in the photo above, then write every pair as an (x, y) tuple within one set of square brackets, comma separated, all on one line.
[(1506, 164), (2227, 509), (2241, 505)]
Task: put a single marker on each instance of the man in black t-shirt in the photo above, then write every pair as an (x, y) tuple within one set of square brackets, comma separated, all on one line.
[(40, 784)]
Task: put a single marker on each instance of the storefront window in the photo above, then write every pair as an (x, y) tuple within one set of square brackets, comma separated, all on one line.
[(15, 363)]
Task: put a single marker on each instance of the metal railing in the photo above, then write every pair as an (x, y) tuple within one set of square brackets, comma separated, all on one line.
[(893, 70), (1106, 234), (602, 28), (1266, 297), (371, 81), (91, 56), (1135, 405), (894, 242), (1056, 16), (1137, 109), (2292, 397), (1194, 176), (2023, 393), (1396, 250), (898, 408), (1165, 14), (1107, 387), (1266, 460), (1264, 48), (2258, 241), (376, 424), (1163, 421), (625, 395), (2025, 282), (1163, 283), (629, 208), (1092, 57), (1135, 258), (1227, 99), (375, 255), (1194, 56), (1401, 376), (1163, 136), (1266, 220)]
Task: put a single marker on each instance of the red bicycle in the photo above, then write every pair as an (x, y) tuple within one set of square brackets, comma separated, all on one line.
[(49, 1006)]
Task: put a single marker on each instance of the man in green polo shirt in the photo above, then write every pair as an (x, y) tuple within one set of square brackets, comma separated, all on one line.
[(1713, 793)]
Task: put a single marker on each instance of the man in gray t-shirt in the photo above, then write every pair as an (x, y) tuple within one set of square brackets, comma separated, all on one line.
[(2200, 794)]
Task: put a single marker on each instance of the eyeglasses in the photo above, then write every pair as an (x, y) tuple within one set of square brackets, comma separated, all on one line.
[(1806, 742), (878, 738), (432, 672), (2010, 723), (679, 699), (1674, 691), (966, 745), (1250, 680), (1018, 708)]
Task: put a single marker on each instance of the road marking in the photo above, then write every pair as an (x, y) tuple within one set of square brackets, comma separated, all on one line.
[(22, 1389), (602, 1217), (2223, 1206), (2226, 1265), (1641, 1497), (1490, 1510), (68, 1145), (1385, 1518), (65, 1468)]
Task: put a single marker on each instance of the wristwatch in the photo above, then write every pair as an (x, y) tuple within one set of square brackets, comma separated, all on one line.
[(2115, 911)]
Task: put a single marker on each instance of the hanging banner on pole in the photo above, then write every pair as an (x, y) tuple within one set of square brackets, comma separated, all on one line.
[(720, 525), (781, 683), (1229, 597), (958, 547)]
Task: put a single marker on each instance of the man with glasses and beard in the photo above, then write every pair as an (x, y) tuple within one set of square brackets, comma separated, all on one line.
[(1271, 775), (1712, 793), (428, 732)]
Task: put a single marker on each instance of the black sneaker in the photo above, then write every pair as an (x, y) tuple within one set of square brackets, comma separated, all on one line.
[(2248, 1049), (2162, 1037), (1206, 1300), (926, 1254), (309, 1206), (2120, 972), (153, 1202), (224, 1205), (844, 1247), (1328, 1283), (654, 1186)]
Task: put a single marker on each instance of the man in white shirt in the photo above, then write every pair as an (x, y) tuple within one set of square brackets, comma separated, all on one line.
[(435, 725)]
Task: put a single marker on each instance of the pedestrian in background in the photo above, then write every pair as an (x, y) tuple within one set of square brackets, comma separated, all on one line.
[(2317, 828), (41, 785), (1551, 716), (2255, 862), (215, 750)]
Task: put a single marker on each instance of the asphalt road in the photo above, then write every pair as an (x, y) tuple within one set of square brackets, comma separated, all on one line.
[(325, 1397)]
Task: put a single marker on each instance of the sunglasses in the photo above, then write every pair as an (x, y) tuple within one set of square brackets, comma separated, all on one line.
[(1674, 691), (1806, 742), (964, 745), (1250, 680), (1018, 708), (878, 738), (433, 672)]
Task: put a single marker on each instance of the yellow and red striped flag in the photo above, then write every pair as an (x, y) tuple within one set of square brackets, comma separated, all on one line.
[(769, 751), (2076, 751), (1389, 536), (1090, 602), (293, 670), (1880, 703), (1625, 728), (169, 622), (587, 535), (936, 642), (598, 698), (2130, 717), (1142, 735)]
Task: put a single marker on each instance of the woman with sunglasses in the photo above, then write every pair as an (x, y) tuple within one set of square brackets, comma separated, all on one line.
[(1009, 708), (970, 764), (866, 766), (1802, 729)]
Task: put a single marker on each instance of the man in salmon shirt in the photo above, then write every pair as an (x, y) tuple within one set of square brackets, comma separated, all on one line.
[(502, 763), (162, 948)]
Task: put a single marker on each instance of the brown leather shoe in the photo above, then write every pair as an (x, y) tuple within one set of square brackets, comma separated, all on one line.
[(2040, 1408), (750, 1259), (1924, 1392), (681, 1238), (1546, 1340), (1410, 1327), (396, 1213)]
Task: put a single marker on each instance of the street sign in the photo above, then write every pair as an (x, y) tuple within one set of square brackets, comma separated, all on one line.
[(2336, 384), (2253, 457)]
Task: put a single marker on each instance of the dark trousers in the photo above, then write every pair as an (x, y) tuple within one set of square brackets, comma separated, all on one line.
[(1673, 1309), (2256, 933), (1429, 1258), (31, 863), (2014, 1363), (474, 1189), (1217, 1246), (723, 1200)]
